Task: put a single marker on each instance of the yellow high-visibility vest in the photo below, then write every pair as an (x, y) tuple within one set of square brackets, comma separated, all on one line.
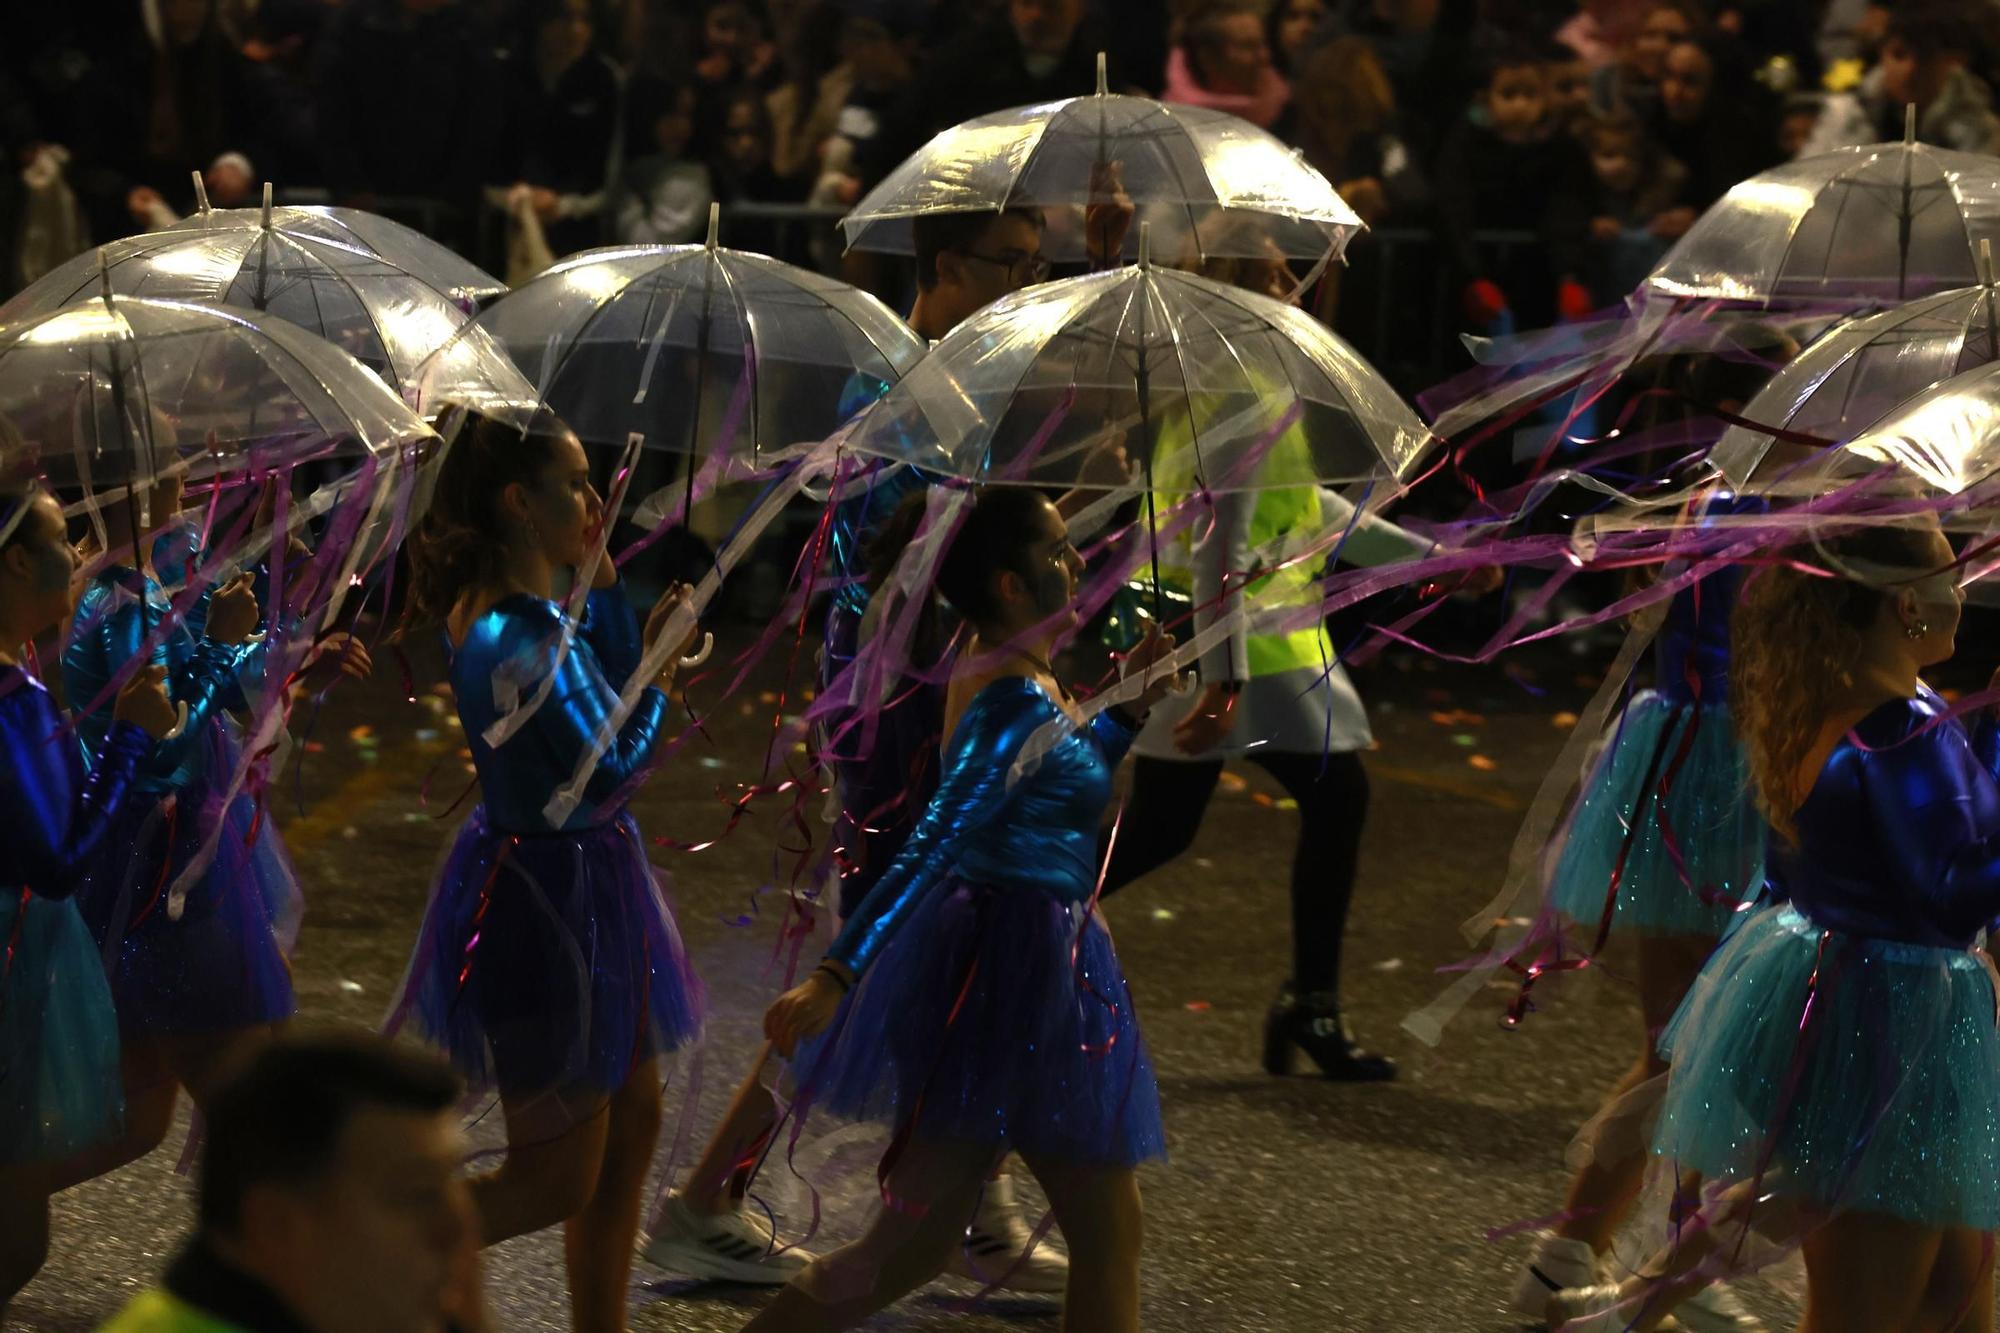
[(1279, 511)]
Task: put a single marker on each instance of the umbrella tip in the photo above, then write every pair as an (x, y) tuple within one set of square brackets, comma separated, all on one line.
[(200, 192), (714, 222), (1145, 244), (267, 203), (1103, 79), (1909, 123), (104, 274)]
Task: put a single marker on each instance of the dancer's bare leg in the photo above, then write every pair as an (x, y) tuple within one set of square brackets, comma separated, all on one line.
[(543, 1180), (1869, 1273), (1960, 1298), (1098, 1210), (719, 1175), (899, 1252), (1602, 1193), (154, 1070), (598, 1240), (24, 1229)]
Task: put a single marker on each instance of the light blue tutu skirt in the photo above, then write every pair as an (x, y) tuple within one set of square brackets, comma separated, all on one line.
[(1707, 814), (1884, 1098), (59, 1080)]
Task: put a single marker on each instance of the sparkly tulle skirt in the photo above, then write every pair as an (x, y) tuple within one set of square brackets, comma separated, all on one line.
[(997, 1016), (1707, 816), (1849, 1072), (222, 963), (59, 1078), (549, 966)]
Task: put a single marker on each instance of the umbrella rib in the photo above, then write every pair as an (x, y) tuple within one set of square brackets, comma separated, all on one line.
[(748, 324), (311, 245), (576, 338), (1027, 365), (1791, 238), (1187, 390)]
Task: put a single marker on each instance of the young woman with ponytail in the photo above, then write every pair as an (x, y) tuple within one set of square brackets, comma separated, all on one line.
[(549, 966)]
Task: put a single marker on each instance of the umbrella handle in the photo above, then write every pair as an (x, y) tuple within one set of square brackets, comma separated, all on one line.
[(179, 726), (701, 653)]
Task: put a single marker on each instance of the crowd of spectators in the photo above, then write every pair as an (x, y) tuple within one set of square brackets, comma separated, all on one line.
[(521, 130)]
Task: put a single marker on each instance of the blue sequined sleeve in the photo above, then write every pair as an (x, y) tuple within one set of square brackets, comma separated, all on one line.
[(204, 679), (973, 792), (178, 556), (1937, 810), (579, 701), (56, 817), (611, 628)]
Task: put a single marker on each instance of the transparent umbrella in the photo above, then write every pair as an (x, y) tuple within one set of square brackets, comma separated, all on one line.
[(1189, 171), (1881, 224), (405, 247), (291, 264), (1946, 437), (121, 389), (694, 349), (1021, 391), (1228, 391), (1853, 375), (112, 394)]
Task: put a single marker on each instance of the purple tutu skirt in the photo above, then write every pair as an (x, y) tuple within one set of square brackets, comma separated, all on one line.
[(549, 965), (222, 964), (997, 1016)]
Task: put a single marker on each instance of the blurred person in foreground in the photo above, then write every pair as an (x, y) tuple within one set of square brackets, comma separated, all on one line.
[(330, 1201)]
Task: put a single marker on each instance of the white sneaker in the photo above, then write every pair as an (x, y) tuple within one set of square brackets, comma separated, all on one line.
[(996, 1239), (1557, 1264), (736, 1246), (1716, 1309), (1591, 1308)]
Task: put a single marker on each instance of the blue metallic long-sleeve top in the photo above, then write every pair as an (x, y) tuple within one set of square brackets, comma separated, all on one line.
[(1035, 832), (56, 817), (118, 609), (1899, 838), (1691, 654), (865, 501), (518, 638)]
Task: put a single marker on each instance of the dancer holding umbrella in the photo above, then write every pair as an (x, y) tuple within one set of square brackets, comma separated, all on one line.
[(975, 1002), (885, 769), (58, 1030), (549, 965), (190, 896)]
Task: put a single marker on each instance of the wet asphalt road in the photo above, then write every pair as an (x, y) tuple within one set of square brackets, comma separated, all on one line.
[(1289, 1204)]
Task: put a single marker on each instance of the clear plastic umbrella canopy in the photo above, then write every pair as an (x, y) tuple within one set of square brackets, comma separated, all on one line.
[(696, 348), (1190, 171), (1946, 437), (1879, 224), (387, 317), (1024, 390), (1853, 375), (120, 390), (405, 247)]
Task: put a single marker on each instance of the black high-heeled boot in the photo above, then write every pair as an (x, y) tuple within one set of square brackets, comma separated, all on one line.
[(1313, 1024)]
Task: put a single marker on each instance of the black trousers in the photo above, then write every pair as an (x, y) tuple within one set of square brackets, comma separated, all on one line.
[(1165, 810)]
